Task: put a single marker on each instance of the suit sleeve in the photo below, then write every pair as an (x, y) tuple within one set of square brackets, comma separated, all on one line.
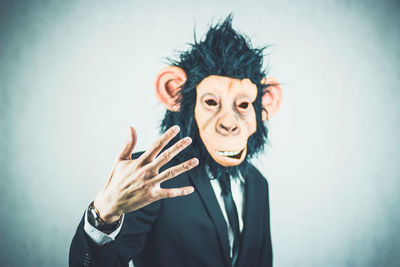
[(127, 245), (266, 247), (98, 236)]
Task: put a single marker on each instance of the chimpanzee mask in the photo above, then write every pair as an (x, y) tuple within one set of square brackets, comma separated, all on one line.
[(219, 94)]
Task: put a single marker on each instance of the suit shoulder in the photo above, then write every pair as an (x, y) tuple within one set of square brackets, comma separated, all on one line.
[(257, 176)]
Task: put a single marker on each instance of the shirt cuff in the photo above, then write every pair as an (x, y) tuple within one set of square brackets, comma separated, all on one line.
[(98, 236)]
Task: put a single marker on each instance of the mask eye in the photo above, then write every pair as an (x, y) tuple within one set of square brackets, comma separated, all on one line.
[(243, 105), (211, 102)]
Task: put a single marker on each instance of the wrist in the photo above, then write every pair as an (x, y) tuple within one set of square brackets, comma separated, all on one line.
[(95, 219), (105, 211)]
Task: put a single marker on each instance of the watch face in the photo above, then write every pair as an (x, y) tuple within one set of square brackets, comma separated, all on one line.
[(93, 217)]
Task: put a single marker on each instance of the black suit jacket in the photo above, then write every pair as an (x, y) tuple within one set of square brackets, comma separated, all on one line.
[(186, 231)]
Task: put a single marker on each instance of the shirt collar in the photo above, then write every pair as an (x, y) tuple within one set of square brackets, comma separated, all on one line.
[(240, 176)]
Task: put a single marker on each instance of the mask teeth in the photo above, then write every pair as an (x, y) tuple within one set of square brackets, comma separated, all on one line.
[(228, 153)]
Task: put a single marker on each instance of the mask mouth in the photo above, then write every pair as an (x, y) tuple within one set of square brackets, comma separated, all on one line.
[(236, 154)]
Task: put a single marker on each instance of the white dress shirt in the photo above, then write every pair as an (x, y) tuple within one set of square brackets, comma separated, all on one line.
[(237, 188), (98, 236)]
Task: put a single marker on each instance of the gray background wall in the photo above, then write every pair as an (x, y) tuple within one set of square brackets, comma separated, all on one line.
[(75, 74)]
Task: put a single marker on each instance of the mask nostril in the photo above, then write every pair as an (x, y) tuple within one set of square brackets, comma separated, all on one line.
[(232, 129), (224, 128)]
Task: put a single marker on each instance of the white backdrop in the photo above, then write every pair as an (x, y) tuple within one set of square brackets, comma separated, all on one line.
[(75, 74)]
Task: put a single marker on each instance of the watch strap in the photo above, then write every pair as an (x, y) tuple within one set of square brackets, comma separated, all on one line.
[(97, 222)]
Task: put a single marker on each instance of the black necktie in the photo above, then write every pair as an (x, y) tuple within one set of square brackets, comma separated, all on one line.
[(231, 211)]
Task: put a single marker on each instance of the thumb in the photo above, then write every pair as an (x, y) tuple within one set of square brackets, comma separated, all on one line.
[(130, 144)]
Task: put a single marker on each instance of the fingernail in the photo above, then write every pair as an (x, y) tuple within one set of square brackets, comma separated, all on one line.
[(189, 190), (194, 162), (175, 128), (187, 140)]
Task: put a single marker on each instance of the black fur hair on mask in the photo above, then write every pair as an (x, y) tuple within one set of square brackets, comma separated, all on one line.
[(223, 52)]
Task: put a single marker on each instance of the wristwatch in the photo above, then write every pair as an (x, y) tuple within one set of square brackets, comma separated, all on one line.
[(97, 222)]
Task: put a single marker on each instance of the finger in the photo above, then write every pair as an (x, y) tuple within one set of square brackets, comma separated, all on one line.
[(130, 144), (175, 192), (151, 153), (176, 170), (168, 154)]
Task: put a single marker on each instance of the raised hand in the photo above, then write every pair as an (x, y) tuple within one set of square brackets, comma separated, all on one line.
[(134, 184)]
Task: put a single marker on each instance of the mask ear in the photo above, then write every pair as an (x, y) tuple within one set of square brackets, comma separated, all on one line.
[(169, 82), (272, 97)]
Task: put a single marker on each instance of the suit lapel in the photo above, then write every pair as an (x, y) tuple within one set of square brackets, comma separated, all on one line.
[(203, 186)]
